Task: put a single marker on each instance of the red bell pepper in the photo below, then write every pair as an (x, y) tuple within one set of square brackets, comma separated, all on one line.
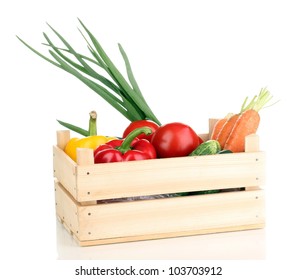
[(131, 148)]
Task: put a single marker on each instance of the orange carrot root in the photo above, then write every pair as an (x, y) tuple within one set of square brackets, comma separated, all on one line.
[(246, 124), (218, 126), (226, 130)]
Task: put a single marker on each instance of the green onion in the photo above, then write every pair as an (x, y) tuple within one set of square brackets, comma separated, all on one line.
[(74, 128), (124, 96)]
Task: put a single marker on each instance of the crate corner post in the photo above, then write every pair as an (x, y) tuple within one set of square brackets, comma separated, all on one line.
[(85, 156), (63, 137), (252, 143)]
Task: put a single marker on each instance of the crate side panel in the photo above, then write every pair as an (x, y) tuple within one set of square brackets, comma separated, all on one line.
[(172, 216), (65, 170), (161, 176), (66, 209), (167, 235)]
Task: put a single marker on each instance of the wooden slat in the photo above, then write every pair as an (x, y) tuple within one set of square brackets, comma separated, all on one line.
[(173, 175), (65, 170), (66, 209), (172, 216), (167, 235), (252, 145)]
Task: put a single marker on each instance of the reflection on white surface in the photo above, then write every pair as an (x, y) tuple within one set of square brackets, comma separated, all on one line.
[(242, 245)]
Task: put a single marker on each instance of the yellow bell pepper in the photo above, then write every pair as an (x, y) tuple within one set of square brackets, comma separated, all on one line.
[(91, 142)]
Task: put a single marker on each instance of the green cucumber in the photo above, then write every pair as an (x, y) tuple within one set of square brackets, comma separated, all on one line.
[(210, 147), (225, 152)]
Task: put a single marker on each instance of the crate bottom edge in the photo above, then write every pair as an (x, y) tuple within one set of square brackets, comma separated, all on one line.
[(114, 240)]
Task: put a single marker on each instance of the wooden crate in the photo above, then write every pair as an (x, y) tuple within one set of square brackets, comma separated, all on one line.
[(82, 189)]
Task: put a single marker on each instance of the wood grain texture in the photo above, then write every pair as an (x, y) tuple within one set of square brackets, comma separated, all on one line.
[(161, 218), (66, 209), (159, 176), (173, 175), (166, 235), (65, 170)]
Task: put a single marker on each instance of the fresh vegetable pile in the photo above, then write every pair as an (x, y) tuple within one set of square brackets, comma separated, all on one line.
[(145, 137)]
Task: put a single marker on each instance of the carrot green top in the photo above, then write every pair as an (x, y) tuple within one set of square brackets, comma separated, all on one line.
[(258, 102)]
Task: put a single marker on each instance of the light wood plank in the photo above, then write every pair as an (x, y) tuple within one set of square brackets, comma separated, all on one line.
[(173, 175), (252, 145), (167, 235), (172, 215), (65, 170), (66, 209)]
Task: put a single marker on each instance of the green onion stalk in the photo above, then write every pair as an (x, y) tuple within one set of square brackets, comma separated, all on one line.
[(126, 97)]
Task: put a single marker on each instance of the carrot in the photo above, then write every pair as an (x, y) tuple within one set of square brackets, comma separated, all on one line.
[(230, 123), (226, 129), (247, 123), (218, 126)]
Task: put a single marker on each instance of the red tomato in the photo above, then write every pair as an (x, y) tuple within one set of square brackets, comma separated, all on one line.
[(175, 140), (133, 125)]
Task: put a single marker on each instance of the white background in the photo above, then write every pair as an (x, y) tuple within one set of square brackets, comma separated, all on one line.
[(192, 59)]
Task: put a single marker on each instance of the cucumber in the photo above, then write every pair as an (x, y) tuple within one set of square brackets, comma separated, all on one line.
[(210, 147), (225, 152)]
